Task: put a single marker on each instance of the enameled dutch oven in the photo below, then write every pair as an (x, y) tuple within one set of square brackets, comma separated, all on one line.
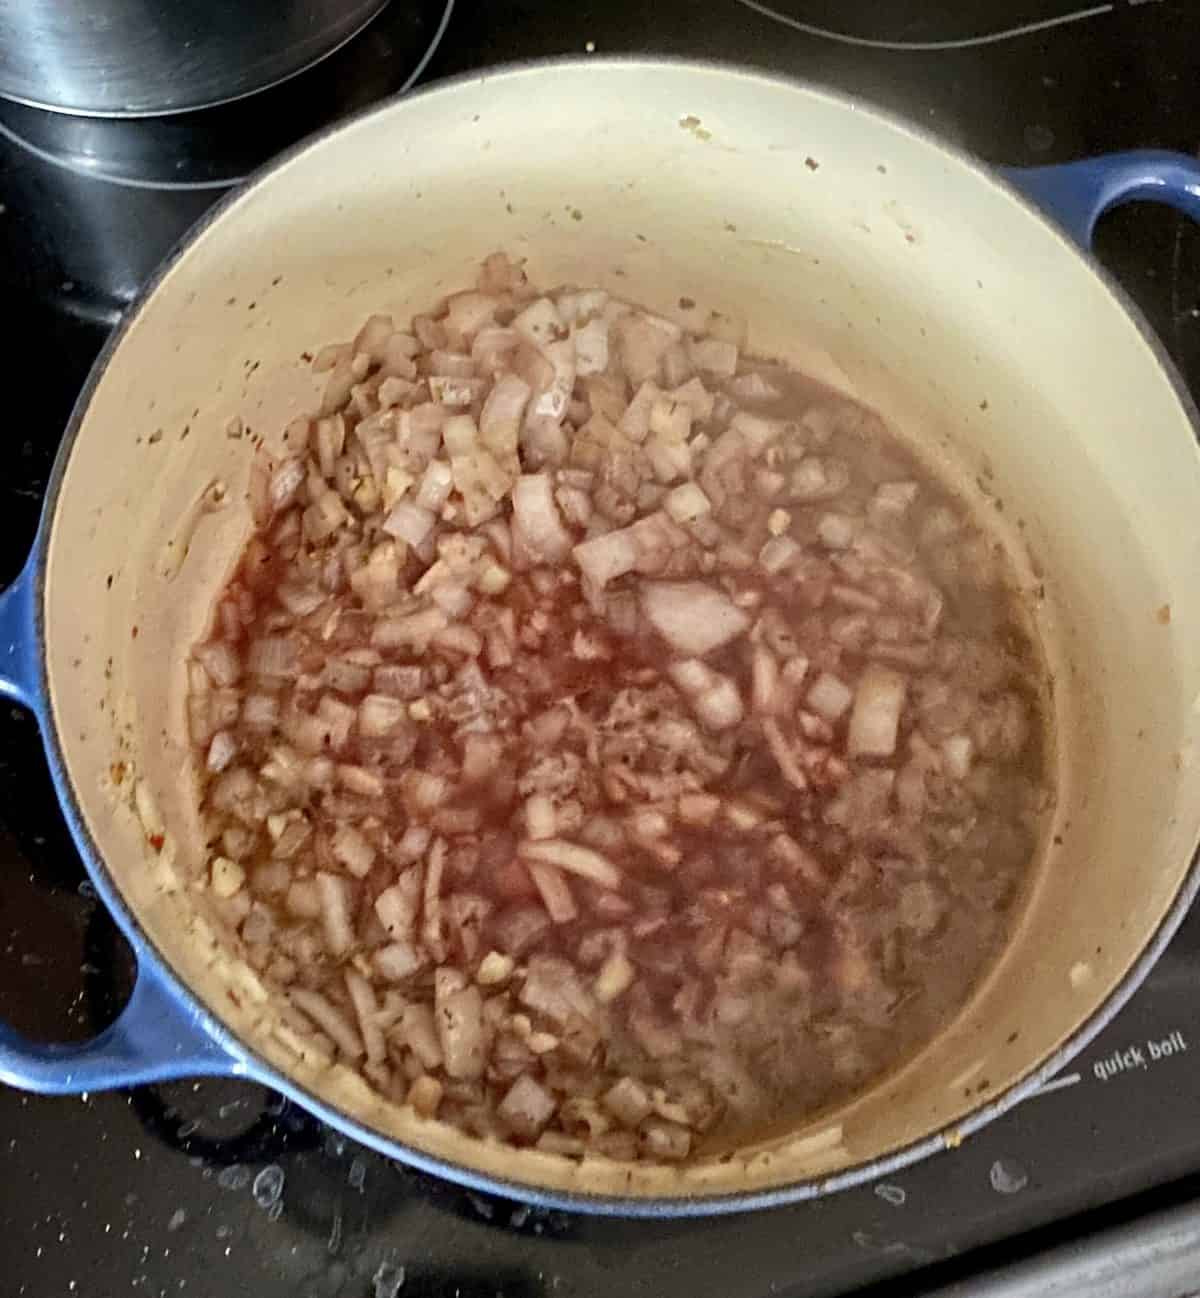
[(953, 298)]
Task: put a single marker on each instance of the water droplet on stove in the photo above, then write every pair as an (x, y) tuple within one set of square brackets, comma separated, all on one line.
[(358, 1175), (87, 889), (892, 1194), (389, 1279), (268, 1186), (235, 1177), (178, 1217), (1008, 1176)]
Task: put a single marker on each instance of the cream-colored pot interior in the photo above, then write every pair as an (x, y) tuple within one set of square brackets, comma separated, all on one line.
[(851, 245)]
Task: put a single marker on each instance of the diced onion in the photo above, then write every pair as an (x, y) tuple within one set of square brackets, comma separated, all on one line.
[(221, 751), (353, 850), (409, 522), (536, 514), (432, 493), (333, 893), (366, 1010), (875, 721), (329, 1019), (693, 617), (527, 1107), (582, 861), (379, 715), (605, 558), (541, 821), (555, 892), (830, 697)]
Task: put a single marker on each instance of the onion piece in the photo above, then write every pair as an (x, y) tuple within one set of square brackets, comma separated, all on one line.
[(764, 687), (221, 751), (458, 1015), (875, 721), (582, 861), (285, 483), (591, 348), (786, 759), (555, 892), (425, 1095), (432, 492), (456, 393), (642, 340), (720, 706), (362, 997), (502, 415), (635, 421), (226, 877), (336, 1026), (957, 750), (272, 655), (686, 503), (398, 905), (837, 531), (410, 631), (829, 697), (541, 820), (260, 712), (540, 323), (431, 920), (352, 850), (536, 515), (777, 554), (693, 617), (614, 979), (520, 928), (409, 522), (713, 356), (379, 715), (373, 337), (398, 960), (334, 894), (526, 1108), (605, 558), (628, 1101), (467, 313)]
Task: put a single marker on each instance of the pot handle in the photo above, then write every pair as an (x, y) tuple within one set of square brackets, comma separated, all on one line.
[(156, 1036), (18, 639), (1077, 194)]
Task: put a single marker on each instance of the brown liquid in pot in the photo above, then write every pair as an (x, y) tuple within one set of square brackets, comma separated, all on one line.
[(635, 863)]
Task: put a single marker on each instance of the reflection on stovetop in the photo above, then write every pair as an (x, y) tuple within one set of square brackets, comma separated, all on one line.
[(219, 1186), (911, 26), (213, 148)]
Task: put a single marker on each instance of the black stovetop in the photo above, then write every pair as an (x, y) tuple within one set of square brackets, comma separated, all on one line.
[(217, 1187)]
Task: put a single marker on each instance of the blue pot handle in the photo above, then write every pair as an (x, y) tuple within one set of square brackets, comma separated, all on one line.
[(18, 639), (1077, 194), (156, 1036)]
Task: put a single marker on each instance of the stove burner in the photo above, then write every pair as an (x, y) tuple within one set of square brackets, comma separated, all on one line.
[(213, 148), (906, 20), (225, 1122)]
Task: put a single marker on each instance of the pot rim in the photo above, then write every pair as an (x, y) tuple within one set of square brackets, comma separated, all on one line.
[(255, 1066)]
